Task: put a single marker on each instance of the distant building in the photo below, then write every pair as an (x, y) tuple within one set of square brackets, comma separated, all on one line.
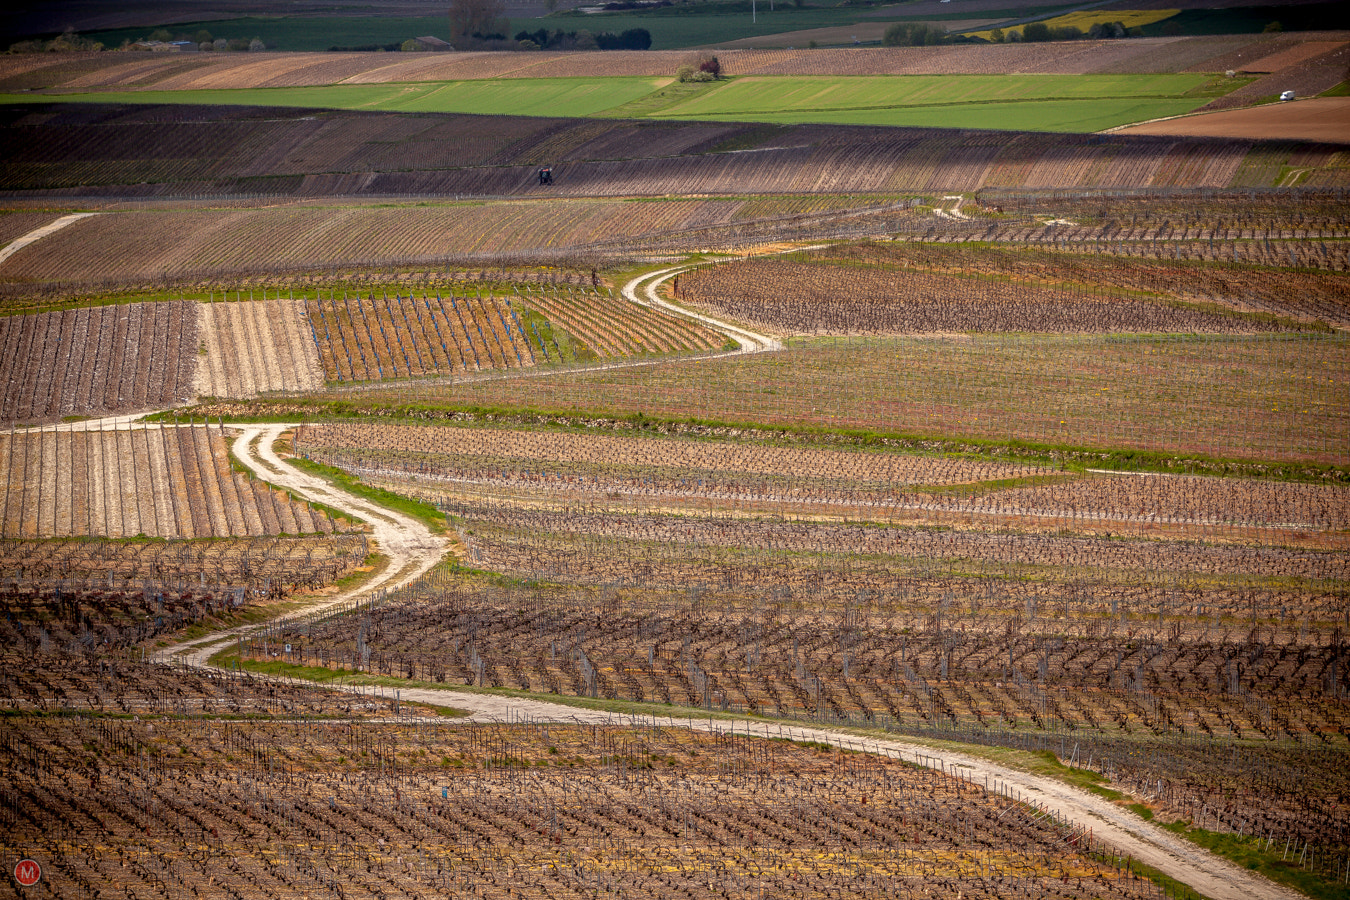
[(185, 46), (433, 43)]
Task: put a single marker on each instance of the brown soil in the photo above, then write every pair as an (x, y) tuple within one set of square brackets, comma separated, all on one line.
[(1317, 119)]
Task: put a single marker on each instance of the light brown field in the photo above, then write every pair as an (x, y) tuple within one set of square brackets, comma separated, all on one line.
[(1316, 119)]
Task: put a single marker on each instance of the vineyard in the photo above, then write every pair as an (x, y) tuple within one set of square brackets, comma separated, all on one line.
[(166, 482), (254, 347), (111, 573), (179, 243), (1311, 293), (1271, 397), (99, 360), (355, 808), (1042, 450), (806, 298), (372, 338), (83, 151), (561, 471), (1136, 668), (1006, 605)]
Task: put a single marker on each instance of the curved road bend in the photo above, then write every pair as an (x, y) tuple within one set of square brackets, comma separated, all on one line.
[(409, 545), (413, 549)]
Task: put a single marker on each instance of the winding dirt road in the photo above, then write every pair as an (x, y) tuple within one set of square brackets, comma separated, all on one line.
[(1212, 876), (750, 341), (409, 545), (413, 549)]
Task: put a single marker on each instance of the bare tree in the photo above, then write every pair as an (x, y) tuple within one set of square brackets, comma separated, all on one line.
[(481, 17)]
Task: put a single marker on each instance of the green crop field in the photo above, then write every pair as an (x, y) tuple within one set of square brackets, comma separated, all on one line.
[(513, 96), (1021, 102), (1032, 115)]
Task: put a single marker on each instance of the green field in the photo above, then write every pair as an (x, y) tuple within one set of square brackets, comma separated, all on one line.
[(1044, 115), (1021, 102), (511, 96), (1018, 102)]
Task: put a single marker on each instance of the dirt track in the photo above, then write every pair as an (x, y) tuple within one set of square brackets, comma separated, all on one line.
[(1317, 119), (38, 234), (409, 545), (1214, 877), (413, 549)]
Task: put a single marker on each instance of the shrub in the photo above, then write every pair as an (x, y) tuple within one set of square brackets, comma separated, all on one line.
[(1104, 30), (921, 34), (1036, 32), (687, 74)]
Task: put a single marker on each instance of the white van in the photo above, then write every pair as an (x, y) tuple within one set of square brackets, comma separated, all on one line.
[(1287, 95)]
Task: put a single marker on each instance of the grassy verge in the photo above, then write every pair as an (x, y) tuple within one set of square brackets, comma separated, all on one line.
[(281, 447), (1274, 862), (425, 513), (252, 614)]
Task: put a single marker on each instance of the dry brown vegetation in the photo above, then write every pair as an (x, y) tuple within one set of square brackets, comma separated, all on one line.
[(877, 288), (1119, 663), (171, 482), (256, 346), (351, 809), (96, 360), (1277, 397), (882, 530), (123, 591)]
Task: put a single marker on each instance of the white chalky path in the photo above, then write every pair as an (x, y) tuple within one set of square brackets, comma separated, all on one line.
[(413, 550)]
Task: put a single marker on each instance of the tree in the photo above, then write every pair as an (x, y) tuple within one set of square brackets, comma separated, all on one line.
[(638, 39), (476, 17), (1035, 32), (921, 34), (996, 35)]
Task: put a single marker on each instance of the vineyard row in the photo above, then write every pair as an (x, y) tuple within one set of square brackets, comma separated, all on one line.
[(170, 482)]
